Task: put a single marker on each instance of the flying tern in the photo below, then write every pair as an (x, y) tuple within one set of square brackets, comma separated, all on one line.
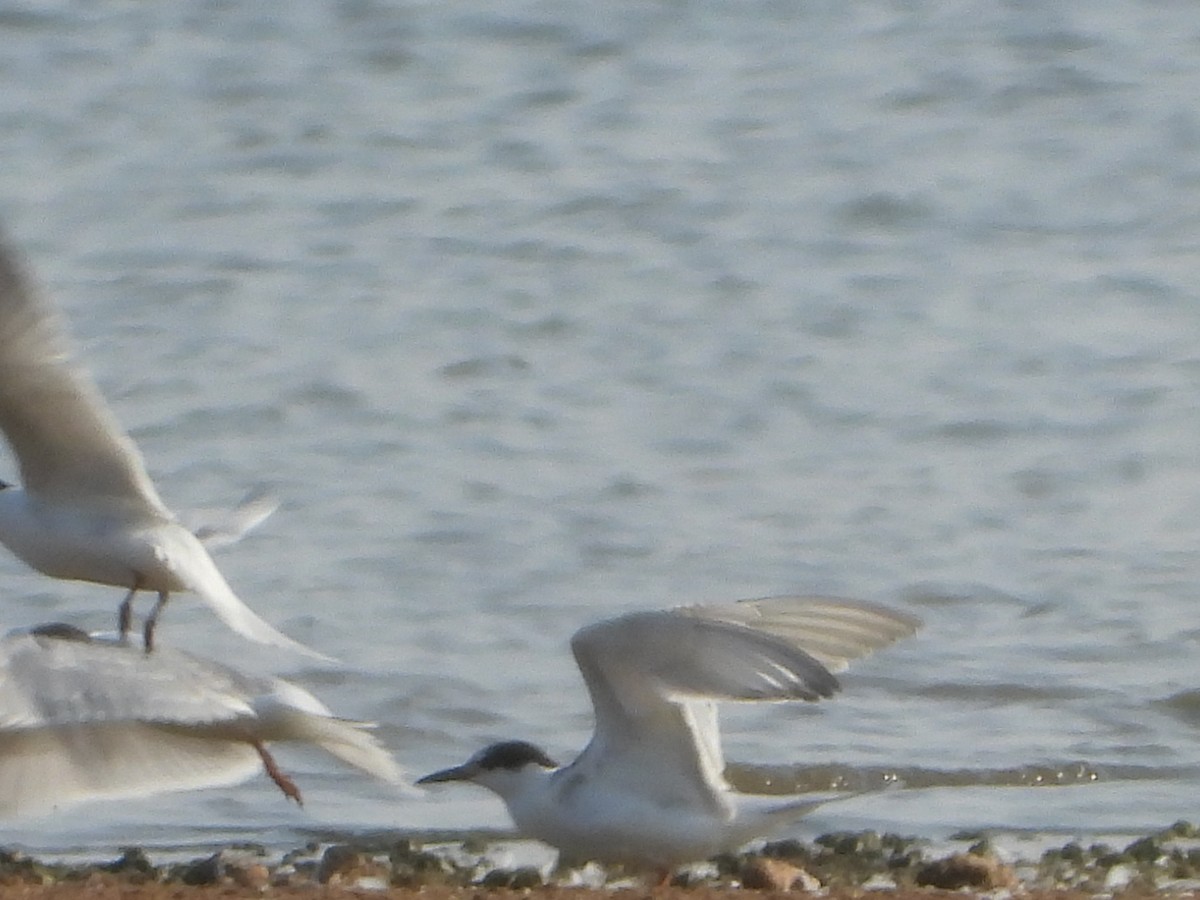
[(85, 718), (87, 510), (649, 790)]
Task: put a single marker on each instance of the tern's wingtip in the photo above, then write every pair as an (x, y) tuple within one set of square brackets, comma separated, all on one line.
[(319, 656)]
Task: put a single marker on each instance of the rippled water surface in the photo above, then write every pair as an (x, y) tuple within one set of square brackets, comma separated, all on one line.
[(535, 313)]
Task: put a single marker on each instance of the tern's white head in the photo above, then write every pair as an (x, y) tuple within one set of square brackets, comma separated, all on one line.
[(506, 768)]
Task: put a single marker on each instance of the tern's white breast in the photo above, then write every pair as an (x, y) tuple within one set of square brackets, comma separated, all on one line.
[(586, 818), (95, 541)]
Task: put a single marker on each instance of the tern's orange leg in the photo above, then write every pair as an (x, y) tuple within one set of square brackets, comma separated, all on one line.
[(281, 780)]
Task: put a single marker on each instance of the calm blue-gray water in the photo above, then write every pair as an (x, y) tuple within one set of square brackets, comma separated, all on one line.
[(538, 312)]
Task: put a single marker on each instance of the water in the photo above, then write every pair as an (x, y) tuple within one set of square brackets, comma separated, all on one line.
[(535, 313)]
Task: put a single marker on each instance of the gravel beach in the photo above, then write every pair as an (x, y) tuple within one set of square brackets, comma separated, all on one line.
[(101, 888), (838, 865)]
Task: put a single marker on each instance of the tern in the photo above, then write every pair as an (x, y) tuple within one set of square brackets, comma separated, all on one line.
[(649, 789), (85, 718), (87, 509)]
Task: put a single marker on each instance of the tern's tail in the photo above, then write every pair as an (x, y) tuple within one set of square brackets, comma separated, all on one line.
[(761, 814), (242, 619), (202, 576), (351, 742)]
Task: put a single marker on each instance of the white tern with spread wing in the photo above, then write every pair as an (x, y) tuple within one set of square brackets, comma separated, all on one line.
[(85, 718), (649, 789)]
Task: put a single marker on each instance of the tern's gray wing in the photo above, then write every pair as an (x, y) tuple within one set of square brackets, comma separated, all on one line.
[(86, 720), (46, 770), (833, 630), (49, 682), (66, 440), (653, 678)]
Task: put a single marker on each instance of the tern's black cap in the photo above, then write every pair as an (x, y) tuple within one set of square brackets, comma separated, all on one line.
[(513, 755)]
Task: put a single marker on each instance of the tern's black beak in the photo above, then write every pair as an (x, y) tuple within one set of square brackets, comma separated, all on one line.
[(456, 773)]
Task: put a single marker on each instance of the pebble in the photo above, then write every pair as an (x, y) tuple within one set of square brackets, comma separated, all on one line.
[(343, 864), (1119, 877), (765, 874), (966, 870)]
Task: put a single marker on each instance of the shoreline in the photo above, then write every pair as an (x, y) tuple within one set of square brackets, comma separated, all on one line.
[(839, 865)]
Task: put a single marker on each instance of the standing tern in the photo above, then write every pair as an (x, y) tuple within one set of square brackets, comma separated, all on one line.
[(649, 788), (87, 510), (85, 718)]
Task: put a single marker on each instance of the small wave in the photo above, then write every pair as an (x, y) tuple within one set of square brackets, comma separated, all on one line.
[(803, 779)]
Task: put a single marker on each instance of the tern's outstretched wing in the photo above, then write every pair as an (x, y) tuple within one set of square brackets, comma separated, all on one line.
[(83, 720), (51, 769), (66, 440), (653, 678), (648, 675), (833, 630)]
